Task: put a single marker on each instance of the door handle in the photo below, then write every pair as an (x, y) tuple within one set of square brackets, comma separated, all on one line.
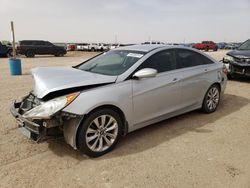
[(175, 80), (205, 70)]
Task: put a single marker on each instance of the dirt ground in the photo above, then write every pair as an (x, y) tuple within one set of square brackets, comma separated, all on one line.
[(191, 150)]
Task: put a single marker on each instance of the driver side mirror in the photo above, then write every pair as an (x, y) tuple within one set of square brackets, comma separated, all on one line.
[(145, 73)]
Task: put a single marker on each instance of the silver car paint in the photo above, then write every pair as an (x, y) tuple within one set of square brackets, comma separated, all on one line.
[(49, 79), (148, 100)]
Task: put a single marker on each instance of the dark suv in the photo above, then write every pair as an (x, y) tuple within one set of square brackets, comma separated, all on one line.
[(5, 50), (30, 48)]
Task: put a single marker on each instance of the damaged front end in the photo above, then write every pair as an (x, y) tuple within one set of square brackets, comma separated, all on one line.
[(237, 65), (39, 119)]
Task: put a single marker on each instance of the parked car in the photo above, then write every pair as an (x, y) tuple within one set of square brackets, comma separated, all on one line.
[(71, 47), (153, 42), (82, 47), (103, 47), (93, 47), (231, 46), (206, 45), (117, 92), (117, 45), (184, 44), (238, 61), (30, 48), (5, 50), (61, 44), (221, 45), (113, 46)]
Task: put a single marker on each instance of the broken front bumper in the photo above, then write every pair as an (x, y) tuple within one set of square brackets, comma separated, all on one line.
[(43, 128), (31, 129), (240, 69)]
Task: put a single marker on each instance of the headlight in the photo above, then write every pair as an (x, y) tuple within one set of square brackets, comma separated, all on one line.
[(228, 59), (47, 109)]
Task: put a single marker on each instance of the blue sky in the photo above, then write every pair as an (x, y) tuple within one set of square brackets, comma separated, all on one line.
[(128, 21)]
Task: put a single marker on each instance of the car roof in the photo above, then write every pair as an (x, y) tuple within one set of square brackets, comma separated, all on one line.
[(142, 47), (31, 40)]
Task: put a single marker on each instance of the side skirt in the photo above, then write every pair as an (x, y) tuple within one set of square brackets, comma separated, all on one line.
[(163, 117)]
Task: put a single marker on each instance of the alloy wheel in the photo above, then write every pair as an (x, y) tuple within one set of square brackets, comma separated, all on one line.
[(213, 97), (101, 133)]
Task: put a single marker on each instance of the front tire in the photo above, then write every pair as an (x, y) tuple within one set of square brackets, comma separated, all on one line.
[(99, 132), (211, 99), (230, 76), (10, 53)]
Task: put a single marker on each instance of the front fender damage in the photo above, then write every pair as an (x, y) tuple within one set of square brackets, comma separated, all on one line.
[(70, 128)]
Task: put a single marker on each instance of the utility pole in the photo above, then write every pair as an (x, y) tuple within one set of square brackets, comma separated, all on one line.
[(149, 38), (13, 40), (115, 39)]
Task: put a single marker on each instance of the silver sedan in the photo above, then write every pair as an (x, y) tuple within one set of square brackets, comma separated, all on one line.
[(96, 102)]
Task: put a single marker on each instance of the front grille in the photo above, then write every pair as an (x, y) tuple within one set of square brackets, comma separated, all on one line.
[(28, 103), (241, 70), (247, 71), (242, 61)]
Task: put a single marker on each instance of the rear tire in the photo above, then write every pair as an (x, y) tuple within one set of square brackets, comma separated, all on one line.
[(211, 99), (30, 53), (59, 54), (99, 132), (206, 48)]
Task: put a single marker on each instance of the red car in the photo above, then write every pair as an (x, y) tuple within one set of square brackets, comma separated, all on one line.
[(71, 47), (206, 45)]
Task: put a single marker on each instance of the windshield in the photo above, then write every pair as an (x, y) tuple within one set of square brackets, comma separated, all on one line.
[(112, 63), (245, 45)]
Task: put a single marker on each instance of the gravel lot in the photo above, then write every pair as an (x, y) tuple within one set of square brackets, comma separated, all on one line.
[(191, 150)]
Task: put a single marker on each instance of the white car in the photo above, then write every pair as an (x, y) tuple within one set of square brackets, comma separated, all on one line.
[(82, 47), (153, 42), (93, 47), (113, 46), (103, 47)]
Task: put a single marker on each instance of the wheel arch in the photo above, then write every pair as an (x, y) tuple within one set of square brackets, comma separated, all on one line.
[(218, 84), (29, 50), (72, 131)]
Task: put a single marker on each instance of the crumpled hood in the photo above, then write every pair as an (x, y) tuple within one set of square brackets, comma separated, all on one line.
[(240, 54), (51, 79)]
